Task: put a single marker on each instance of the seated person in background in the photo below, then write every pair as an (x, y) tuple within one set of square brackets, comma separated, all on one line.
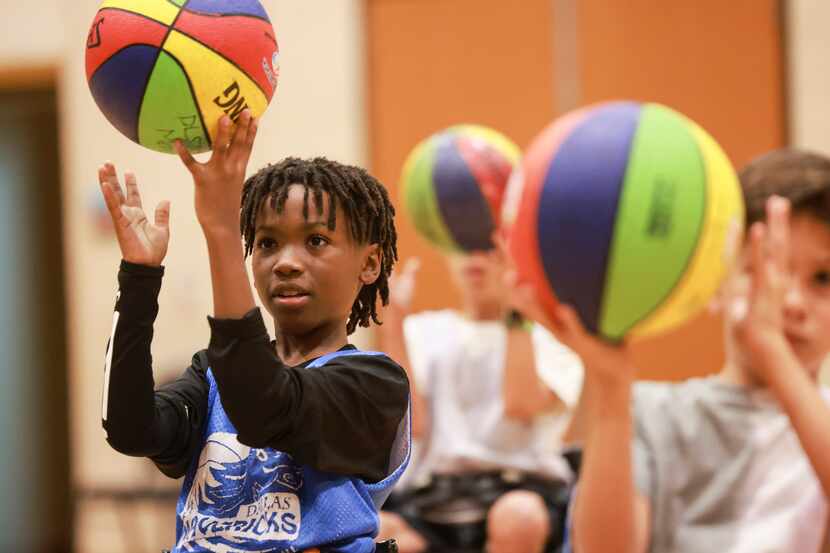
[(739, 461), (491, 399)]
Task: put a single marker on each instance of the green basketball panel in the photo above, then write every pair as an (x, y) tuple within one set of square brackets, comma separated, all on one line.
[(658, 220), (420, 200), (169, 110)]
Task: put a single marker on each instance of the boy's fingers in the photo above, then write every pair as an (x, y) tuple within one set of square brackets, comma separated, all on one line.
[(133, 196), (757, 245), (252, 130), (184, 154), (162, 216), (778, 231), (111, 179), (240, 134), (410, 268), (223, 136)]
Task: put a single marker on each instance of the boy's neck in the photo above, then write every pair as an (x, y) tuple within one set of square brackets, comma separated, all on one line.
[(481, 311), (735, 374), (294, 350)]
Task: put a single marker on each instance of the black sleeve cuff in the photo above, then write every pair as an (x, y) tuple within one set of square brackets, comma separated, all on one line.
[(135, 269), (251, 325)]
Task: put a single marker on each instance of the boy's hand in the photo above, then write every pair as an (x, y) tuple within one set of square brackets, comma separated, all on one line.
[(141, 242), (759, 315), (606, 361), (219, 180), (402, 287)]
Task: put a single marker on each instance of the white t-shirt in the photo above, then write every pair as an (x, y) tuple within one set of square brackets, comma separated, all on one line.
[(724, 471), (459, 368)]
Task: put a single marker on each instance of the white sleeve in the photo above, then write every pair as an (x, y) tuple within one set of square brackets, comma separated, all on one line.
[(417, 336), (557, 366)]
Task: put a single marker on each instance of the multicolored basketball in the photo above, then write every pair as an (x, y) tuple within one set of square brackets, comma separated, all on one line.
[(453, 184), (162, 70), (629, 212)]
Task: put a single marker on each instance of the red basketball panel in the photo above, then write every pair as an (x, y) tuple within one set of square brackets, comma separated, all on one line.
[(247, 42), (113, 30), (491, 170), (523, 235)]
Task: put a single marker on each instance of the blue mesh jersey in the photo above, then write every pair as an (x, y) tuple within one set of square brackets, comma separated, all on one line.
[(238, 499)]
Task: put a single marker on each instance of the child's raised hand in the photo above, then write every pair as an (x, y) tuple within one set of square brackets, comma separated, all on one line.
[(402, 287), (758, 316), (219, 180), (141, 241), (601, 358)]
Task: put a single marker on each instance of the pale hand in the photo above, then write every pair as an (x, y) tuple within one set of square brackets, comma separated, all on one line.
[(141, 241), (402, 287), (607, 361), (218, 182), (759, 316)]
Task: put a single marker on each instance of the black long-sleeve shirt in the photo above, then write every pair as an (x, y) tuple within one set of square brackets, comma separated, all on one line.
[(342, 417)]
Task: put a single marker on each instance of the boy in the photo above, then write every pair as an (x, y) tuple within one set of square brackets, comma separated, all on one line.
[(286, 446), (490, 402), (739, 461)]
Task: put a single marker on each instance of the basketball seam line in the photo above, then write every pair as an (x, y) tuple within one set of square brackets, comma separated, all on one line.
[(207, 14), (139, 14), (230, 61), (192, 94), (152, 70), (109, 58)]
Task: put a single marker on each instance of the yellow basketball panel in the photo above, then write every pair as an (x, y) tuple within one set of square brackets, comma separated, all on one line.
[(161, 10), (717, 244), (219, 86)]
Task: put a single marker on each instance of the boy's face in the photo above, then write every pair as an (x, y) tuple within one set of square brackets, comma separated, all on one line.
[(479, 276), (807, 300), (306, 275)]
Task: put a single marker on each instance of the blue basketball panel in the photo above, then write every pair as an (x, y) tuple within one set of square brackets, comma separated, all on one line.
[(118, 86), (230, 7), (463, 207), (578, 205)]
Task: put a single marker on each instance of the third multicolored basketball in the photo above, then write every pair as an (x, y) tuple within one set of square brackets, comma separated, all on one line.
[(629, 212)]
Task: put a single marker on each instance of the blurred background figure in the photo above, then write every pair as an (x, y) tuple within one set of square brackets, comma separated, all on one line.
[(752, 72), (491, 399)]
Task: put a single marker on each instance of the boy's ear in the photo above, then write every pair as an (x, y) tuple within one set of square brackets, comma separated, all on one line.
[(370, 271)]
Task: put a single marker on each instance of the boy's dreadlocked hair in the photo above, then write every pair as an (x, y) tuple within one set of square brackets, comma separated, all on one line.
[(363, 199), (800, 176)]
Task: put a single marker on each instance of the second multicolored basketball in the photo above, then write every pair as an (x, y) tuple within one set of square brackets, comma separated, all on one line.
[(453, 184)]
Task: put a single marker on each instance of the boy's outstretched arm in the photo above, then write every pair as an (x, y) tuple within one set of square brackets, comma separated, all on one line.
[(609, 513), (218, 193), (759, 323), (138, 421)]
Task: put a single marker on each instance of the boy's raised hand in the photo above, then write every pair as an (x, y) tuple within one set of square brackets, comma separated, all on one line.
[(219, 180), (601, 358), (141, 241), (402, 287), (759, 315)]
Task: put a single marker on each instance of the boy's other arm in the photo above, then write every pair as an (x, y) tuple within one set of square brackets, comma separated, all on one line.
[(342, 417), (524, 394), (809, 413), (138, 421), (609, 514)]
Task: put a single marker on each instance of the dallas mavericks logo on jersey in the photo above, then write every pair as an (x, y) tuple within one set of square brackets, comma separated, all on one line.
[(241, 495)]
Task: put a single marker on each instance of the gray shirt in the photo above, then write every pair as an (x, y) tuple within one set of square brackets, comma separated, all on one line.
[(723, 470)]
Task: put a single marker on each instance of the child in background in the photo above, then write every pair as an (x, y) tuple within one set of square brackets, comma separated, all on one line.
[(739, 461), (285, 445), (491, 398)]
